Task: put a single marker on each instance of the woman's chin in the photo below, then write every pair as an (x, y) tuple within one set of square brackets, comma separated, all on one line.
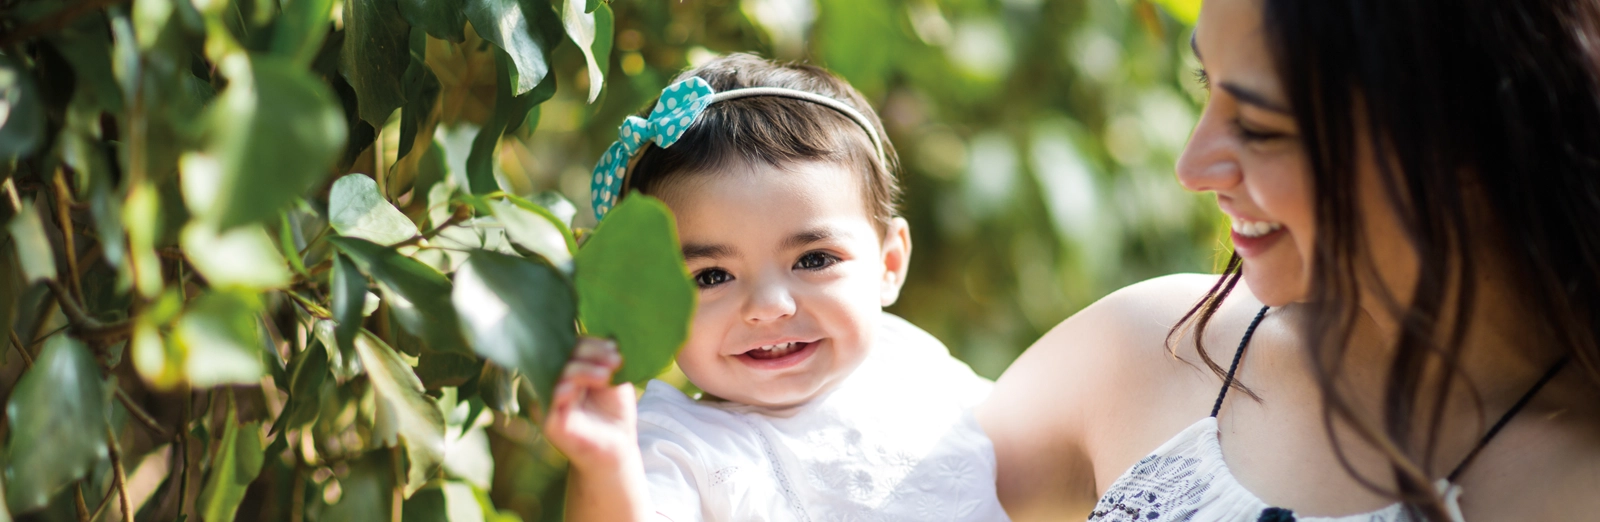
[(1275, 286)]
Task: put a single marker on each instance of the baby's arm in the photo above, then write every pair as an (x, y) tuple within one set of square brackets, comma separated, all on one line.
[(596, 425)]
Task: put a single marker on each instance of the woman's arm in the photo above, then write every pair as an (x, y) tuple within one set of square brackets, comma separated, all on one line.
[(1090, 398)]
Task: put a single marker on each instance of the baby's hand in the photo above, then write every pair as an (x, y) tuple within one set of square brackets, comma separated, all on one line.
[(593, 422)]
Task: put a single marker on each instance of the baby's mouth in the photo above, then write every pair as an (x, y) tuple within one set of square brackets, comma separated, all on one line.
[(775, 351)]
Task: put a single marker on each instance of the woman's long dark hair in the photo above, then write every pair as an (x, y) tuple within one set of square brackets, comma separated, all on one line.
[(1484, 120)]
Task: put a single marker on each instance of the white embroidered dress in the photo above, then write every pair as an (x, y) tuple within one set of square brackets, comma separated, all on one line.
[(895, 441)]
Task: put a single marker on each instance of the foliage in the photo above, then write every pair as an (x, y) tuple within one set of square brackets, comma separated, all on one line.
[(308, 259), (271, 210)]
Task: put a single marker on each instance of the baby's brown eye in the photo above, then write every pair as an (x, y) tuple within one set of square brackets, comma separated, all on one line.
[(712, 277), (815, 261)]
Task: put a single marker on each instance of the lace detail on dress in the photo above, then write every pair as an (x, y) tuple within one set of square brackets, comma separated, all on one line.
[(778, 472), (1157, 485)]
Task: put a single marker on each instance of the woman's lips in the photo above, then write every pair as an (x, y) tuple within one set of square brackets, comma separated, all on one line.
[(1250, 246)]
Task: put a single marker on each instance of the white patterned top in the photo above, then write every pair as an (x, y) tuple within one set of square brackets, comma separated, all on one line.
[(895, 441), (1186, 479)]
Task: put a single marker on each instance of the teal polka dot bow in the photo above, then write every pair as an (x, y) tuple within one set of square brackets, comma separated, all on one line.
[(678, 107)]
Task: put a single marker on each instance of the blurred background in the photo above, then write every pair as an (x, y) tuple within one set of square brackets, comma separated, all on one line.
[(1037, 139)]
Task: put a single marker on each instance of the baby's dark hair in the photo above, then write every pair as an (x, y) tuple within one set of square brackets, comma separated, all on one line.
[(775, 131)]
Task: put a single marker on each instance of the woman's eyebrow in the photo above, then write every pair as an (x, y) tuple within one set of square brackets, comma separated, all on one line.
[(1257, 99)]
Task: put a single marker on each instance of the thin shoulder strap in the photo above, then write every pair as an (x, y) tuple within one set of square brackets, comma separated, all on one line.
[(1504, 419), (1238, 354)]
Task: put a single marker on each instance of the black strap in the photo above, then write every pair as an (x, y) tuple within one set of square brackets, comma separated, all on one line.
[(1504, 419), (1238, 354)]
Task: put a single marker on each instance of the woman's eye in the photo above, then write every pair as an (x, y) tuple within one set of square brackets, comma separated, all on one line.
[(1250, 135), (815, 261), (712, 277)]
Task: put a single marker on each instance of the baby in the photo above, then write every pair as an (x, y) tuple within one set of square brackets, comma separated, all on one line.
[(817, 405)]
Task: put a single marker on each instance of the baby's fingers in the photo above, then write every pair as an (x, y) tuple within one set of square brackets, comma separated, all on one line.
[(602, 352)]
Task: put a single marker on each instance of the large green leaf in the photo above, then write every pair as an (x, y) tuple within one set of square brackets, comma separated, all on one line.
[(375, 56), (417, 294), (349, 298), (404, 414), (422, 93), (10, 289), (275, 132), (222, 345), (237, 462), (241, 257), (307, 372), (518, 314), (508, 108), (33, 247), (439, 370), (22, 120), (536, 229), (444, 19), (301, 28), (356, 209), (449, 502), (498, 387), (633, 286), (57, 416), (367, 492), (580, 26), (527, 30)]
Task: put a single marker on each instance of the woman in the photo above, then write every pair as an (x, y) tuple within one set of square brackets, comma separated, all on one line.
[(1410, 326)]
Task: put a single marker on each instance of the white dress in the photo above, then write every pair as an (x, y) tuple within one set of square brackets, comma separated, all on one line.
[(895, 441)]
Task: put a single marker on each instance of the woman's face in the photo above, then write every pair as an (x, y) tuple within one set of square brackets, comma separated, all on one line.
[(1246, 149)]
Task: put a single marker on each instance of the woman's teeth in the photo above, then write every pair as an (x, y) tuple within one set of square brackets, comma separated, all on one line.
[(1255, 228), (774, 351)]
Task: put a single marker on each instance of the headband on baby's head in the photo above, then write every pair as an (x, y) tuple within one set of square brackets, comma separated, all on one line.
[(680, 104)]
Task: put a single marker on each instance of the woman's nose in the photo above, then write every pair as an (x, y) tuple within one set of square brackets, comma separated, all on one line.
[(1210, 160), (769, 300)]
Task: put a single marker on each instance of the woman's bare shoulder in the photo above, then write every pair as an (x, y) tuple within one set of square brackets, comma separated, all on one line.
[(1080, 382)]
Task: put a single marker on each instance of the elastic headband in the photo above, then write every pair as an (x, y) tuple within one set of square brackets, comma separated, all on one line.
[(680, 105)]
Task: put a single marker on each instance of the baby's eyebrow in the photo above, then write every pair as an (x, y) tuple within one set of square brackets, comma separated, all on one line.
[(692, 251), (815, 235)]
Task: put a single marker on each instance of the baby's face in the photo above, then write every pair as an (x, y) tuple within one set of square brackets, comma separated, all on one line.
[(792, 275)]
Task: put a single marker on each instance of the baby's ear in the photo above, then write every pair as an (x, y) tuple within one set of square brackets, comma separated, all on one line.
[(896, 259)]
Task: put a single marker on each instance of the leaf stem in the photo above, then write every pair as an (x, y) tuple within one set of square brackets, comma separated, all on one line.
[(77, 500), (11, 191), (139, 414), (309, 305), (184, 415), (64, 219), (119, 474), (455, 219), (22, 349)]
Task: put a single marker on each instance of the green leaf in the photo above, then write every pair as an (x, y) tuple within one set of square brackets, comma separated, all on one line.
[(375, 56), (449, 502), (518, 314), (57, 415), (218, 333), (605, 32), (498, 387), (367, 492), (444, 19), (33, 247), (242, 257), (342, 361), (307, 372), (10, 290), (275, 132), (633, 286), (416, 293), (580, 25), (508, 108), (356, 209), (527, 30), (404, 414), (536, 229), (301, 28), (422, 93), (237, 463), (439, 370), (349, 299), (22, 125)]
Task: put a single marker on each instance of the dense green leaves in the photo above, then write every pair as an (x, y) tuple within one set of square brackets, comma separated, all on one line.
[(57, 416), (21, 111), (356, 209), (527, 30), (518, 314), (442, 19), (274, 132), (375, 56), (509, 109), (633, 286), (237, 462), (220, 340), (532, 227), (367, 491), (414, 292), (404, 414), (301, 29)]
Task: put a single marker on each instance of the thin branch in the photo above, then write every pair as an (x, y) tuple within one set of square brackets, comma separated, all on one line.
[(86, 326), (139, 414), (310, 306), (454, 220), (119, 474), (64, 219), (183, 447), (22, 349), (77, 500), (105, 501), (55, 21)]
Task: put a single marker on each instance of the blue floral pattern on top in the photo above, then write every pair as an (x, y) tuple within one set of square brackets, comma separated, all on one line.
[(679, 106)]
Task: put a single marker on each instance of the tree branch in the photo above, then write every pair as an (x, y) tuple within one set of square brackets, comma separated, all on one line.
[(21, 348), (86, 326), (140, 415), (119, 475), (64, 219)]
